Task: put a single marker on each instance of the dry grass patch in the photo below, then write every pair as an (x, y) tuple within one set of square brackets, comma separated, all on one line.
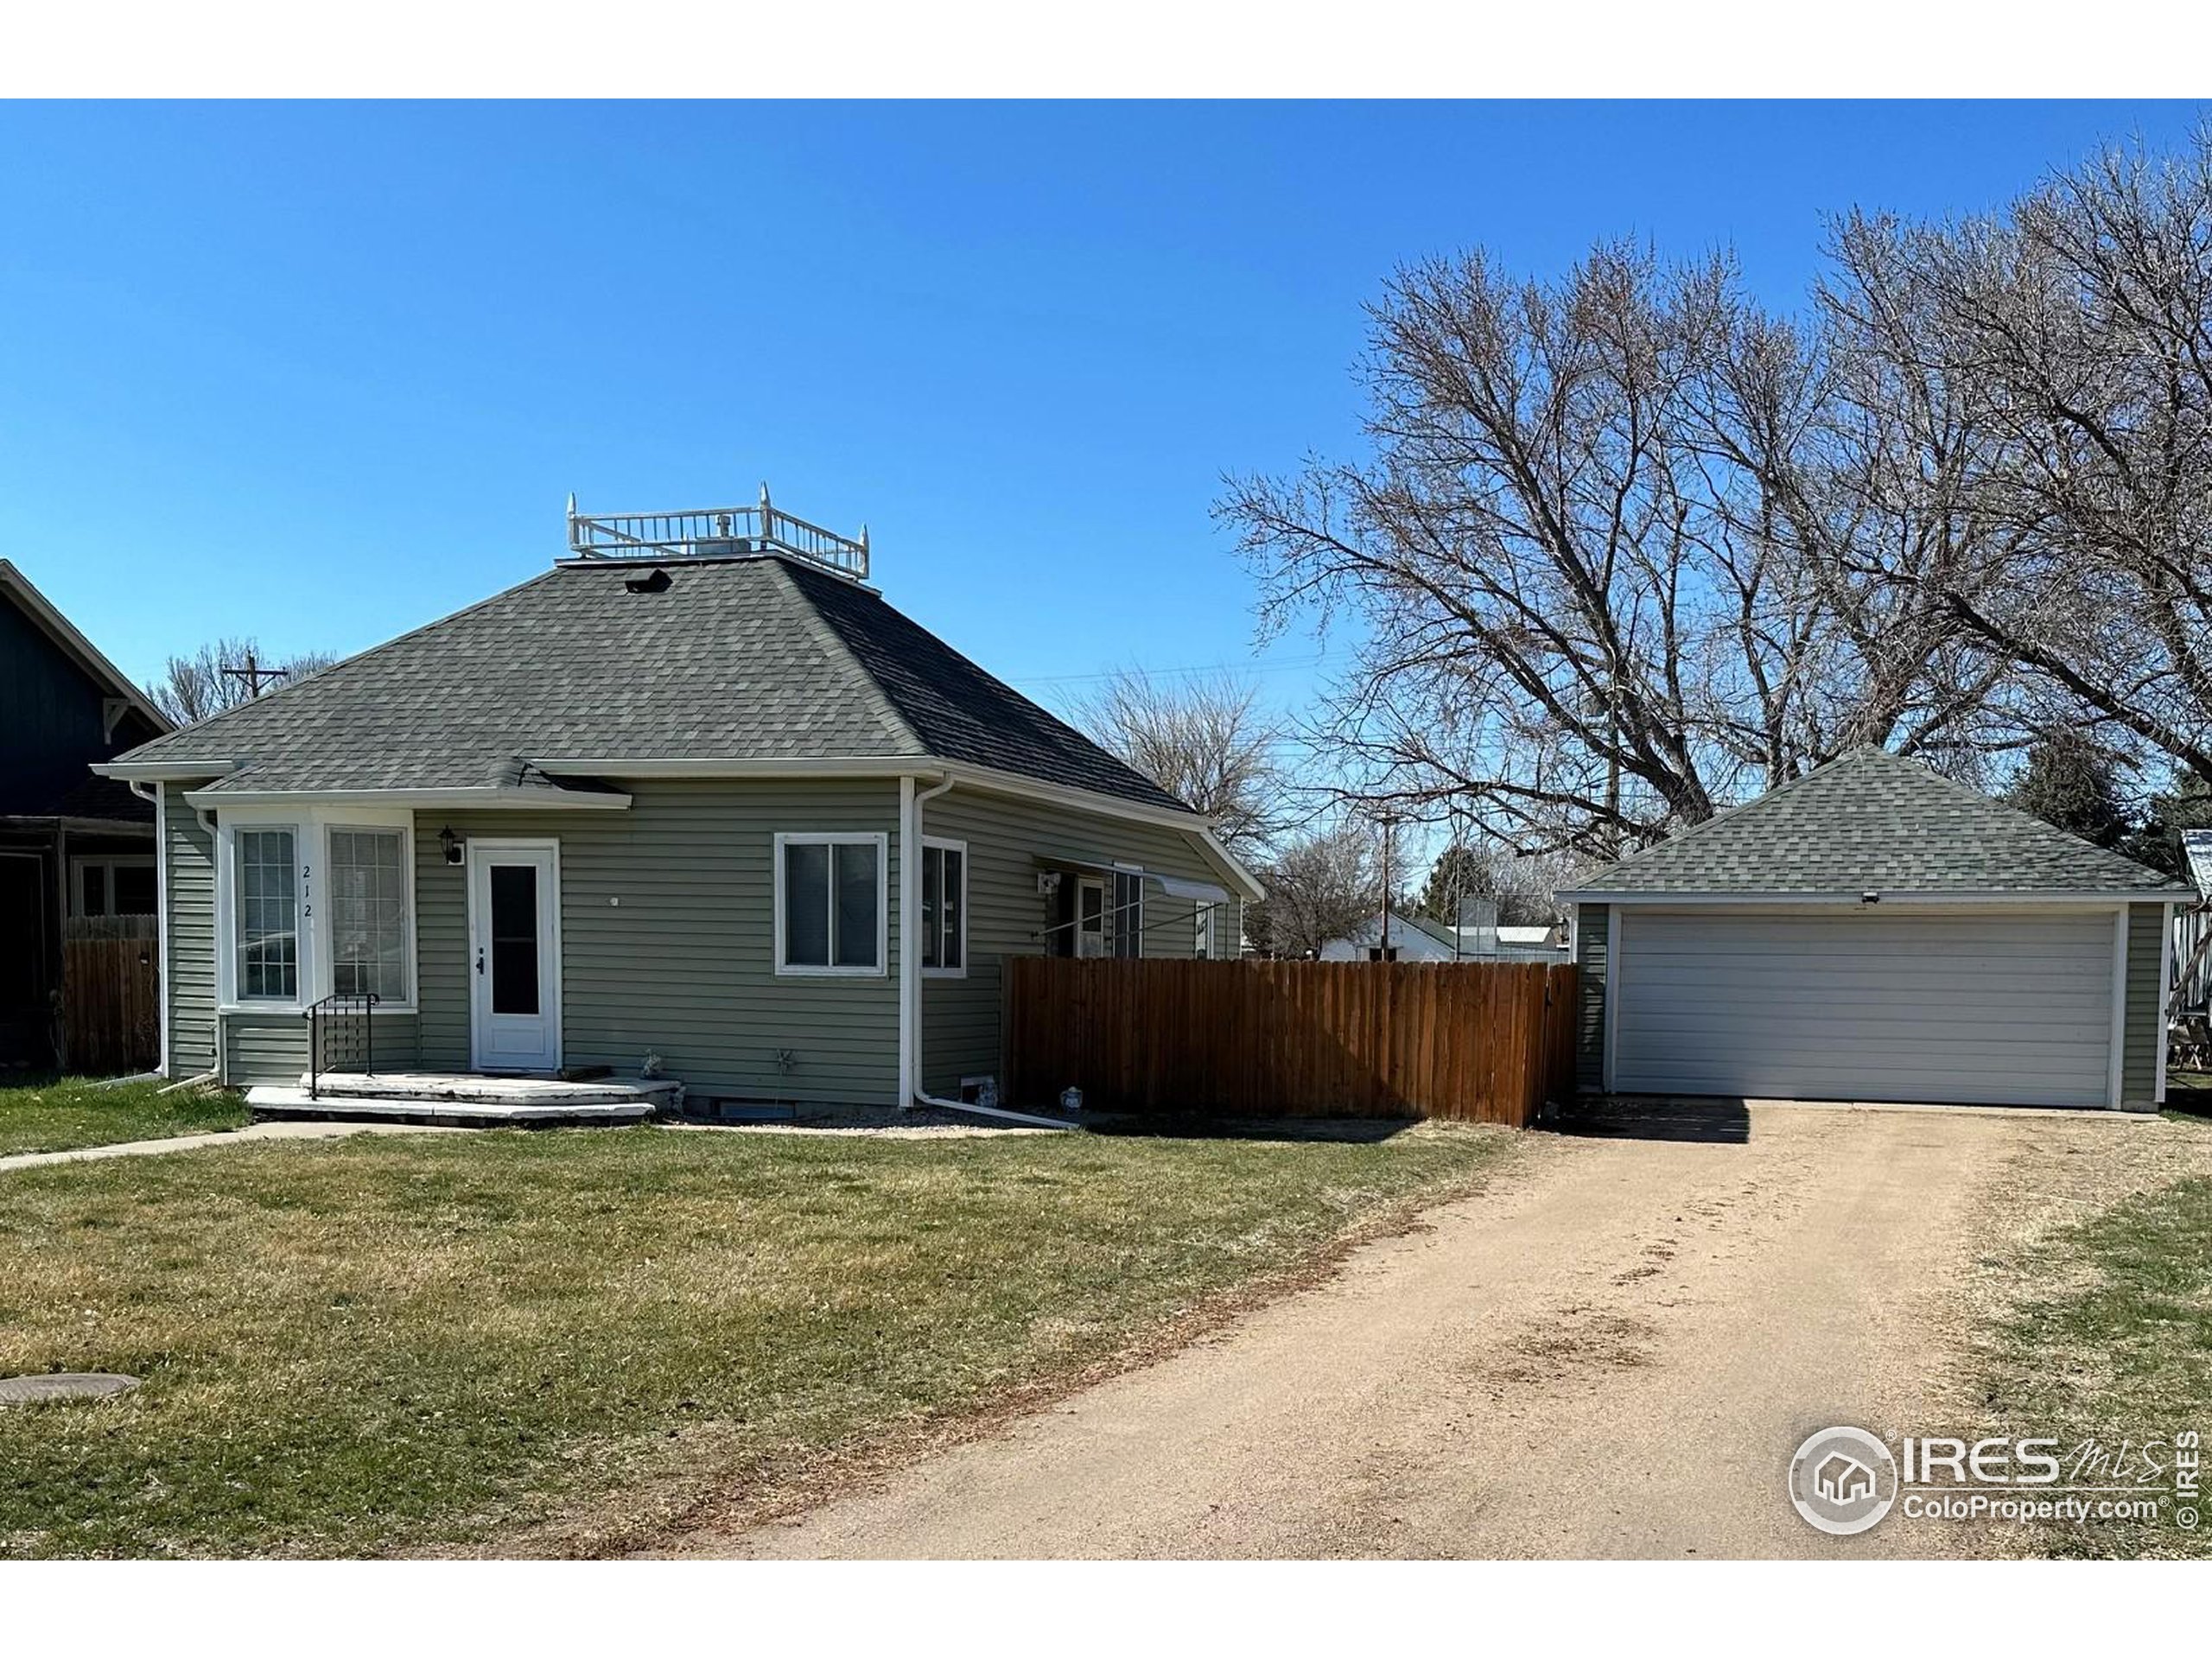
[(2096, 1313), (406, 1344)]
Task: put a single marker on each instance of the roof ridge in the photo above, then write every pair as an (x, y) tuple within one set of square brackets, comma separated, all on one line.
[(1727, 812), (839, 650), (801, 574), (2043, 825), (51, 620), (198, 729), (1901, 825)]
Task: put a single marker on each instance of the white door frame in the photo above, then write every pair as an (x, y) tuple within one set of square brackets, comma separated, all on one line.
[(482, 854), (1088, 883)]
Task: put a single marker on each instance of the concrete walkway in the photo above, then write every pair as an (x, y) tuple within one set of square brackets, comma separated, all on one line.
[(221, 1138)]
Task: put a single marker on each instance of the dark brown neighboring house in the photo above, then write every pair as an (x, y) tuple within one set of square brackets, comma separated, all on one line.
[(70, 844)]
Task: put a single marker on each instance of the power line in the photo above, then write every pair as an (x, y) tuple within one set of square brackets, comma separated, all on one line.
[(1287, 666)]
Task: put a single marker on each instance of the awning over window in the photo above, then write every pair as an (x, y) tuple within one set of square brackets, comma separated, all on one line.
[(1174, 886)]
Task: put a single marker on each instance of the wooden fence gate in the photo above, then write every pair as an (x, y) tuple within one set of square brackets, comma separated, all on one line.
[(1485, 1042), (110, 994)]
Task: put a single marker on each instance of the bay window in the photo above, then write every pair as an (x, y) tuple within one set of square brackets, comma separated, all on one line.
[(268, 884), (367, 913)]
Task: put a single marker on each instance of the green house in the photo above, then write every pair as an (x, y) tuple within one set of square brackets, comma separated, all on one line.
[(697, 792)]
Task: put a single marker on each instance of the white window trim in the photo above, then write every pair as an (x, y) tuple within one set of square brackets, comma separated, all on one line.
[(944, 845), (881, 843), (111, 862), (231, 999), (311, 827)]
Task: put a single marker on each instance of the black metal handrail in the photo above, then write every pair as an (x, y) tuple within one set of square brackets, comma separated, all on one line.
[(341, 1021)]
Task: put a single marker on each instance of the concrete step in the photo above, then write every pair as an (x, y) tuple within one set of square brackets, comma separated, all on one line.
[(274, 1101), (462, 1088)]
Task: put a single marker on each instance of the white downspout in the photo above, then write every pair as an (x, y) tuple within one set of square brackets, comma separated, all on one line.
[(910, 1092), (161, 906)]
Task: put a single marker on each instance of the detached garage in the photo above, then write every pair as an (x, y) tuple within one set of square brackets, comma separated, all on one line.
[(1872, 932)]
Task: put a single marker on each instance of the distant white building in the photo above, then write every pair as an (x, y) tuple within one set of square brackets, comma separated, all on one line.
[(1419, 938)]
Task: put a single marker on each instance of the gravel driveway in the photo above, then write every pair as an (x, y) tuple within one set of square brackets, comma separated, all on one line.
[(1611, 1352)]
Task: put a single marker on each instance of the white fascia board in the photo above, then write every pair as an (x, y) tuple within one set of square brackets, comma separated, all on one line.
[(163, 771), (1890, 898), (455, 800), (987, 778)]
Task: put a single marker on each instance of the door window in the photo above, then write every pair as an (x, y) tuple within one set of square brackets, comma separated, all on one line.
[(514, 938)]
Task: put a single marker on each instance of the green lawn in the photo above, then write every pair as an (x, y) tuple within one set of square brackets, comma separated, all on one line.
[(2118, 1347), (408, 1343), (73, 1112)]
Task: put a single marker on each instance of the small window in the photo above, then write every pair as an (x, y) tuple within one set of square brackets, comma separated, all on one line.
[(829, 907), (122, 886), (945, 906), (268, 881), (1129, 912), (1202, 942), (368, 913)]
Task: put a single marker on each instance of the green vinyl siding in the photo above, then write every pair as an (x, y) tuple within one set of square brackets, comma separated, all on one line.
[(1593, 949), (668, 940), (2144, 1027), (1007, 836), (188, 925)]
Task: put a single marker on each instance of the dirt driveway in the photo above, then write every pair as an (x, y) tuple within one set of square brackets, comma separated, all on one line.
[(1612, 1353)]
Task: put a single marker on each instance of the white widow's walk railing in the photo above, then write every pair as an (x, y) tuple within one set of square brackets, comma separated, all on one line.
[(705, 532)]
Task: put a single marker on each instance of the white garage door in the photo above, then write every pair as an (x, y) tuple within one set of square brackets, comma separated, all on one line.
[(2004, 1008)]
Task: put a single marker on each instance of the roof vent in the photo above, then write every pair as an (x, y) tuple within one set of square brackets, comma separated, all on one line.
[(657, 582)]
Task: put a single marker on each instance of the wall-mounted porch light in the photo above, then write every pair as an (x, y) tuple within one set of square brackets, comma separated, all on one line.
[(451, 843)]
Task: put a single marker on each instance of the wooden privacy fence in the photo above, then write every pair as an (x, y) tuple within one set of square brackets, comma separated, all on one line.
[(110, 994), (1486, 1042)]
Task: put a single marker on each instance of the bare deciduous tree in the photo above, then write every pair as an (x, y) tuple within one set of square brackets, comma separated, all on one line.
[(2077, 330), (1591, 578), (1320, 886), (192, 688), (1204, 739)]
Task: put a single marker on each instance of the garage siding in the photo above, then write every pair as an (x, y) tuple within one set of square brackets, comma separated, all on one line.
[(2004, 1008), (1592, 940), (2146, 1022)]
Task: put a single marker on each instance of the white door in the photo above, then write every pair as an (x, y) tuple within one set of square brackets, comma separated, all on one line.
[(1984, 1007), (1090, 917), (514, 956)]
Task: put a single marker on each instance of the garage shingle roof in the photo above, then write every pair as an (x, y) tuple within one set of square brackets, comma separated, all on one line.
[(1872, 821), (750, 660)]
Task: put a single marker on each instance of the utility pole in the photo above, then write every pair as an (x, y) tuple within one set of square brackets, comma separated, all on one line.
[(253, 674), (1389, 822)]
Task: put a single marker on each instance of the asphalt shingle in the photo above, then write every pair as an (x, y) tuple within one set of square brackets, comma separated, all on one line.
[(760, 658), (1872, 821)]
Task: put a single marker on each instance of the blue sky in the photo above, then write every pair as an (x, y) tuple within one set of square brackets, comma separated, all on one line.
[(322, 374)]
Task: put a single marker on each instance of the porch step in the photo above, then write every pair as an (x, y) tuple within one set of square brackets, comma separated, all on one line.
[(461, 1087), (272, 1101), (458, 1100)]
